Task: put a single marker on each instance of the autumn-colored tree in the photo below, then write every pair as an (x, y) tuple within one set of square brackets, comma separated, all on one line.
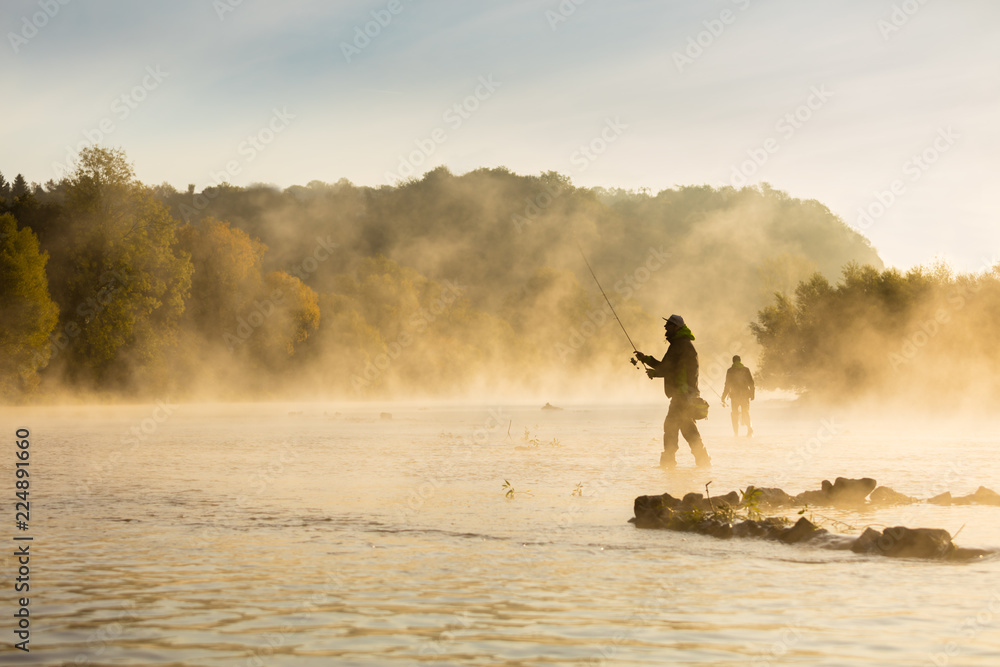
[(27, 313), (227, 275), (284, 315), (127, 282)]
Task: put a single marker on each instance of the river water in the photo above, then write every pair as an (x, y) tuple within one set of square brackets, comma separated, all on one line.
[(331, 534)]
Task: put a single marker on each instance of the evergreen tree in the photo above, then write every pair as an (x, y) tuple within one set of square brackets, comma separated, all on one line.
[(20, 187)]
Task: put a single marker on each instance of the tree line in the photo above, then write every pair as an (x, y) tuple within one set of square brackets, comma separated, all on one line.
[(923, 338), (442, 285)]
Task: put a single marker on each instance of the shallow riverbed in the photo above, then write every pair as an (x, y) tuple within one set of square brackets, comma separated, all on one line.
[(325, 534)]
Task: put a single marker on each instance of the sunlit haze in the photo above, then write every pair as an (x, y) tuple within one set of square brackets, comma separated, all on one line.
[(878, 106), (539, 333)]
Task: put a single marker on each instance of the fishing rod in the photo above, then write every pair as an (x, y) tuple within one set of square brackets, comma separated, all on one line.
[(634, 348)]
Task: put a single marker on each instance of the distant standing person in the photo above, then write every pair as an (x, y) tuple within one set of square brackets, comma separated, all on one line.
[(740, 390), (679, 370)]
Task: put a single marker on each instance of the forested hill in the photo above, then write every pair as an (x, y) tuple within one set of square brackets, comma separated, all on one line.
[(492, 228), (505, 236), (440, 285)]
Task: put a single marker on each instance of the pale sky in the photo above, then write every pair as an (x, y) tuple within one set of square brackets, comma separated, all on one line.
[(884, 105)]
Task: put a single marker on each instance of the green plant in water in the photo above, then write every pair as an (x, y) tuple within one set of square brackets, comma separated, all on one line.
[(725, 513), (509, 490), (690, 518), (534, 441), (750, 499)]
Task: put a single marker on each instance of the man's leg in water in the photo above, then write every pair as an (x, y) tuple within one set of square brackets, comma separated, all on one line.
[(671, 427), (690, 432), (745, 411), (735, 416)]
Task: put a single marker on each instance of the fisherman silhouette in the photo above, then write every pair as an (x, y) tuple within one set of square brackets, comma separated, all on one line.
[(740, 390), (679, 370)]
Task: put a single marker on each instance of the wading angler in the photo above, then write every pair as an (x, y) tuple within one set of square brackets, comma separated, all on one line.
[(679, 370)]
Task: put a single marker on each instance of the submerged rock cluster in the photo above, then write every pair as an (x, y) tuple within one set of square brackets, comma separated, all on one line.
[(739, 515), (865, 492), (982, 496)]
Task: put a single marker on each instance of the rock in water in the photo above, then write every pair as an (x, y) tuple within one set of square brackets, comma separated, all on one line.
[(649, 510), (941, 499), (903, 542), (853, 491), (982, 496), (803, 531), (773, 497), (842, 493), (717, 516), (986, 496), (883, 495)]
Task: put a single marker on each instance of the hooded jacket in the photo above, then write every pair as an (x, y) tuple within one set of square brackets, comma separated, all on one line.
[(679, 367)]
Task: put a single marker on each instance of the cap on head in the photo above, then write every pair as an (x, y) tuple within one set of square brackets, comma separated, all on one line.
[(736, 358), (675, 320)]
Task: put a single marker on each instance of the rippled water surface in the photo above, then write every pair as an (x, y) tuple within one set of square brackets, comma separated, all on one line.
[(333, 535)]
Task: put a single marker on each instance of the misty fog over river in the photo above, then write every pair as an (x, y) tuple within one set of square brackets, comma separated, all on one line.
[(316, 321), (331, 534)]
